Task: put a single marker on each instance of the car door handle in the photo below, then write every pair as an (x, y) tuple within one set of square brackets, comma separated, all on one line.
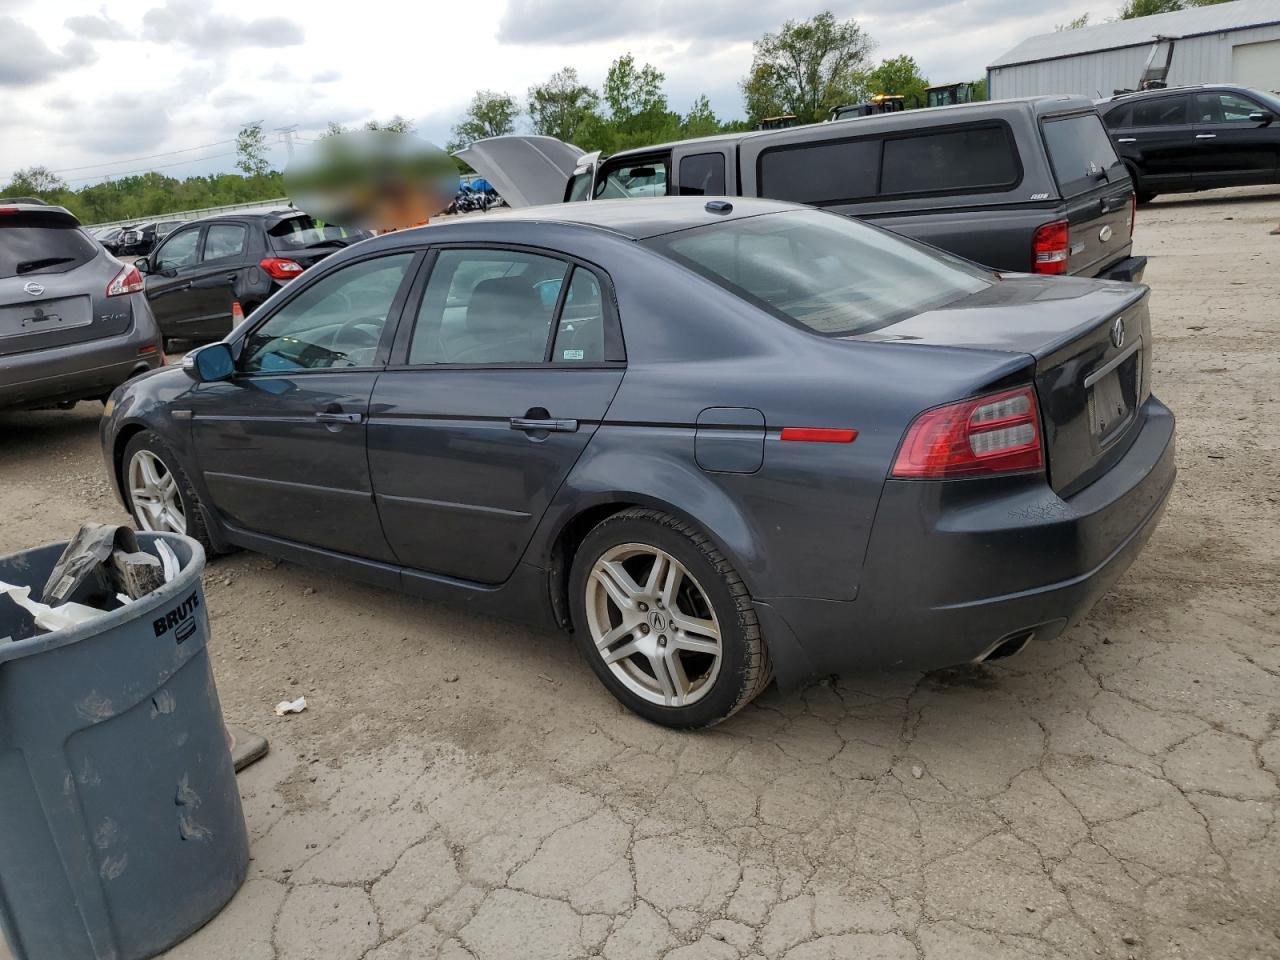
[(327, 416), (531, 424), (1126, 140), (1206, 136)]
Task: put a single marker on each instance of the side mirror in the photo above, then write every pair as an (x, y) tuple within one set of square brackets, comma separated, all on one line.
[(210, 363), (142, 265), (1262, 116)]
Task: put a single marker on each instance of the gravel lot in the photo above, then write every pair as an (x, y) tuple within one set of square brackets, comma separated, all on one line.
[(461, 787)]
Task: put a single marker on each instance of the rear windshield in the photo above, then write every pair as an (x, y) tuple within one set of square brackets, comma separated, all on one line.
[(296, 233), (1081, 153), (828, 273), (30, 244)]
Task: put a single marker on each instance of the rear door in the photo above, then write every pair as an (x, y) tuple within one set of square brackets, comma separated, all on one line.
[(502, 372), (1231, 147), (53, 283), (281, 445), (1096, 188), (1160, 133), (168, 282)]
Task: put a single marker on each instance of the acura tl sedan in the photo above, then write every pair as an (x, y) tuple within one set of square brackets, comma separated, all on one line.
[(718, 440)]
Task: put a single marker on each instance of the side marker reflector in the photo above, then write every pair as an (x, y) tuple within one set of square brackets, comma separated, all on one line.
[(819, 434)]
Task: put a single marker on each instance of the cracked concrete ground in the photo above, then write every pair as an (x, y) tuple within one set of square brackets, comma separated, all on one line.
[(463, 788)]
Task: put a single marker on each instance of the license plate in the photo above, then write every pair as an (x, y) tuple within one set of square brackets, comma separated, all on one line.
[(1109, 409)]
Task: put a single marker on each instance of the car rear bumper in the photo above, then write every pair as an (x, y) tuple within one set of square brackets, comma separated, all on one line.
[(959, 571), (1130, 270), (78, 371)]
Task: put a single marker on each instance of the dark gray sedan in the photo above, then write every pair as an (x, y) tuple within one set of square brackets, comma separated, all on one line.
[(718, 440)]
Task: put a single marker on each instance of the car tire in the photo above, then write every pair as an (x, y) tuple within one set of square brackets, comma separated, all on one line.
[(683, 649), (144, 471)]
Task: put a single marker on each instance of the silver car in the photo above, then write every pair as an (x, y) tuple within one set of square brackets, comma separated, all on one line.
[(74, 321)]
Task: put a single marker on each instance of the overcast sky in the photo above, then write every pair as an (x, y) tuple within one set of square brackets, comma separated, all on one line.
[(87, 88)]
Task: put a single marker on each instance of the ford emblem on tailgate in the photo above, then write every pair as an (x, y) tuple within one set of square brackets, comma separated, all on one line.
[(1117, 332), (33, 288), (1105, 233)]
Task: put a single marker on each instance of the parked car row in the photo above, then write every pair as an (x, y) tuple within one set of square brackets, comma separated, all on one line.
[(137, 239)]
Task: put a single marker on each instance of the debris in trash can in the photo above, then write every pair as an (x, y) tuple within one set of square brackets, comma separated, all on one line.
[(46, 617), (169, 559), (102, 562), (291, 706), (139, 573)]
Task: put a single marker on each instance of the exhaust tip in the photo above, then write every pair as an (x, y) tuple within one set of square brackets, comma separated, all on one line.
[(1007, 647)]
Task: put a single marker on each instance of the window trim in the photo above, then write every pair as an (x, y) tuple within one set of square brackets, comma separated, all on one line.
[(880, 195), (614, 346), (394, 313)]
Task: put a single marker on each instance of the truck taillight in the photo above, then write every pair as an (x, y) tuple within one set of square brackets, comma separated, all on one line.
[(993, 434), (128, 280), (1050, 247), (280, 268)]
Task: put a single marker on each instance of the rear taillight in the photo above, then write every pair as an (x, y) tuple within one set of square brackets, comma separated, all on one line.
[(997, 433), (1133, 214), (1050, 247), (280, 268), (128, 280)]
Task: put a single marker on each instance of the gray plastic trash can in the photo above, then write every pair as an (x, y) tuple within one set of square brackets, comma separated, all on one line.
[(121, 830)]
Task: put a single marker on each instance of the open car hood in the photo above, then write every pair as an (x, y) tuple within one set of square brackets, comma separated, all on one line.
[(525, 170)]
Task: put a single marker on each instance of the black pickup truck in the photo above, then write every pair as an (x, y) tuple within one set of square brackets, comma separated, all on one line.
[(1030, 185)]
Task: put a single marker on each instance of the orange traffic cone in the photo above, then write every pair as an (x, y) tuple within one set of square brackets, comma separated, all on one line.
[(237, 313)]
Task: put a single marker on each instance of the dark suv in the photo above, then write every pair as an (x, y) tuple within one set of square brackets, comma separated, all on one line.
[(207, 271), (1195, 138), (73, 321), (1031, 185)]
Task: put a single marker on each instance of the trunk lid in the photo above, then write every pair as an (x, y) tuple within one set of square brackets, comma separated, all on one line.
[(53, 283), (1091, 342), (525, 170)]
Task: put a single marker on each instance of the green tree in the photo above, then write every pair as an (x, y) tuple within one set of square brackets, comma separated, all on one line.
[(806, 68), (35, 182), (251, 151), (1145, 8), (396, 124), (899, 75), (701, 120), (630, 92), (490, 114), (1076, 24), (562, 106), (979, 90)]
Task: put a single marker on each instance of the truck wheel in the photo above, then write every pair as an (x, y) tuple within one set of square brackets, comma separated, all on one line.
[(665, 621)]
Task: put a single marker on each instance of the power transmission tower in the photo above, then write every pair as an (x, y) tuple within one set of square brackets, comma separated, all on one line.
[(286, 134)]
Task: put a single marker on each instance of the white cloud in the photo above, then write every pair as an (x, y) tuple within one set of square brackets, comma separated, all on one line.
[(206, 33), (28, 60)]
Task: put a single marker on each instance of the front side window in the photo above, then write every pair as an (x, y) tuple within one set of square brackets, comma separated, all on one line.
[(828, 273), (979, 158), (335, 322), (702, 175), (1163, 112), (1117, 118), (638, 178), (821, 172), (1223, 108), (224, 240), (1081, 153), (178, 251), (487, 306)]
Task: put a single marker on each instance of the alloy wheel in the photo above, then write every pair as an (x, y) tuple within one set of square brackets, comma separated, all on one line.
[(653, 625), (153, 491)]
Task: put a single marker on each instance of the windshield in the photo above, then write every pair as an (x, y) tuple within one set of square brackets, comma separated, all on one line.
[(35, 244), (298, 232), (829, 273), (1081, 153)]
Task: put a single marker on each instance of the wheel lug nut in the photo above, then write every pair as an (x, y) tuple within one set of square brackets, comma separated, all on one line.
[(662, 640), (644, 607), (644, 629)]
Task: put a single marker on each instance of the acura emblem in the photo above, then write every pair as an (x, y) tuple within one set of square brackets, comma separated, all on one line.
[(33, 288), (1117, 332), (1105, 233)]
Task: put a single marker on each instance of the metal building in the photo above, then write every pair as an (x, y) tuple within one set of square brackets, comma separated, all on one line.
[(1236, 42)]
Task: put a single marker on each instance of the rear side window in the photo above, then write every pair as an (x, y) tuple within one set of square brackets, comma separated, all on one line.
[(224, 240), (955, 161), (1165, 112), (580, 332), (821, 172), (1080, 152), (1117, 118), (702, 175), (37, 244)]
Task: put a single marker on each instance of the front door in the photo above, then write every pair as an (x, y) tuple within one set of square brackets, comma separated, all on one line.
[(281, 445), (213, 280), (1233, 148), (1165, 141), (168, 281), (491, 398)]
